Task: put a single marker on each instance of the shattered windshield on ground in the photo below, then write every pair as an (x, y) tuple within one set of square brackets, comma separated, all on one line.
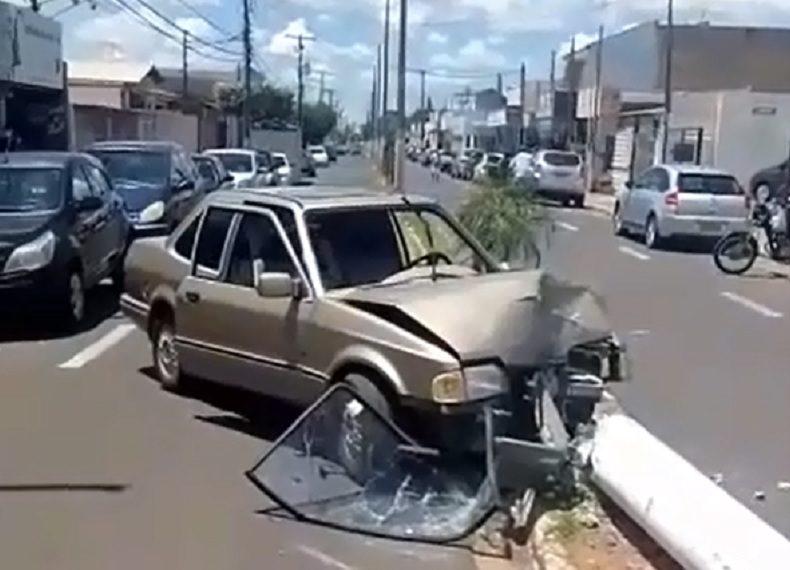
[(344, 466)]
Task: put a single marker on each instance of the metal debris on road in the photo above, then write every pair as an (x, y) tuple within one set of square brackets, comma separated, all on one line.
[(717, 478), (759, 495)]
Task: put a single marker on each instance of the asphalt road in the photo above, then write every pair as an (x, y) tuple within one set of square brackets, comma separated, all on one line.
[(102, 469), (711, 353)]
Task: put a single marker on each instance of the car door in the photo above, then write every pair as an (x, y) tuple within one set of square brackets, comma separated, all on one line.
[(253, 340), (111, 230), (638, 198), (88, 224)]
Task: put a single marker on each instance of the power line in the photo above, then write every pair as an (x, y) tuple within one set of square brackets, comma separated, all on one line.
[(206, 19), (195, 37), (126, 7)]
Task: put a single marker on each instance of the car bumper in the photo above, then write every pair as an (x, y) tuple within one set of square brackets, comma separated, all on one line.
[(41, 288), (560, 187), (135, 310), (700, 226)]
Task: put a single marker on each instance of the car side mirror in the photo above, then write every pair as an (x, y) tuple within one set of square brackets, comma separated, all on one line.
[(89, 204), (629, 184), (227, 178), (278, 286), (184, 185)]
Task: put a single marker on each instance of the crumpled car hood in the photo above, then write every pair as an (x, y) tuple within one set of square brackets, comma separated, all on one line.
[(522, 318)]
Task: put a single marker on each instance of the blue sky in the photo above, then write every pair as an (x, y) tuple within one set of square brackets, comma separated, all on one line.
[(447, 37)]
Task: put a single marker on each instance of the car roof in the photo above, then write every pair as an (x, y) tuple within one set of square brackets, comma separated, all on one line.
[(41, 159), (135, 145), (230, 151), (695, 169), (280, 154), (309, 198)]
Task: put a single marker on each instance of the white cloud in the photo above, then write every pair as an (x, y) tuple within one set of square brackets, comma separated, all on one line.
[(284, 42), (582, 40), (474, 55), (437, 38), (496, 40), (326, 18)]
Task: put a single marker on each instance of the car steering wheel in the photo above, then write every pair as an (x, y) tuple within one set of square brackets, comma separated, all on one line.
[(432, 257)]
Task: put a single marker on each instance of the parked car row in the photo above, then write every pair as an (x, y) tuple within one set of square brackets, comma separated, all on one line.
[(67, 219)]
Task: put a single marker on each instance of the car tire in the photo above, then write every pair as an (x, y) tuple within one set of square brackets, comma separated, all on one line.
[(165, 354), (360, 462), (73, 306), (579, 202), (653, 238), (617, 222)]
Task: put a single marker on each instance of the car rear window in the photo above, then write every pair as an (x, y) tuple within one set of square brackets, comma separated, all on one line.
[(561, 159), (236, 162), (719, 185)]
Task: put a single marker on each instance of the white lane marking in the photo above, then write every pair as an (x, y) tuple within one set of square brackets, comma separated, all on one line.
[(633, 253), (324, 558), (753, 305), (100, 346), (567, 226)]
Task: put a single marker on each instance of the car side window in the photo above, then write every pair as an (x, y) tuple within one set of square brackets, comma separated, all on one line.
[(661, 180), (80, 187), (258, 247), (186, 241), (211, 242), (98, 181)]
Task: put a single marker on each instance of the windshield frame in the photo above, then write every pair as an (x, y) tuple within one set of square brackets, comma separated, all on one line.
[(62, 172), (236, 155), (491, 266)]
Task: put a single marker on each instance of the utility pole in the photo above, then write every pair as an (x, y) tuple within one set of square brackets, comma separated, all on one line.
[(670, 48), (184, 69), (422, 107), (386, 164), (377, 140), (373, 109), (522, 98), (593, 135), (400, 142), (571, 92), (321, 74), (300, 39), (331, 98), (499, 83), (34, 4), (247, 74)]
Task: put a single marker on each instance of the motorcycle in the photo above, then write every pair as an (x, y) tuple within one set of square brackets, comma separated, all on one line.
[(736, 252)]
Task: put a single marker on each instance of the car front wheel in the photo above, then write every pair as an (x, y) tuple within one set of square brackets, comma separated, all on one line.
[(165, 354), (74, 303)]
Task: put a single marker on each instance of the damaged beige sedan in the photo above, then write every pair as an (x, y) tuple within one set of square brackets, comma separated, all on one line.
[(288, 293)]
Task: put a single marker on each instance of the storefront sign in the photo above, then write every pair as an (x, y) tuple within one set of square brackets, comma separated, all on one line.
[(36, 51)]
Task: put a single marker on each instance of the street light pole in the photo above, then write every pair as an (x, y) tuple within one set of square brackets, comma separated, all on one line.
[(670, 48), (400, 141)]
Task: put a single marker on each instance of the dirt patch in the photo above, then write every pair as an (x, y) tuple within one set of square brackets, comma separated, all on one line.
[(593, 534)]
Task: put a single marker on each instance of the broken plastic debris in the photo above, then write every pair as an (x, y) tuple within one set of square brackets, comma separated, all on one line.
[(717, 478), (759, 495), (783, 485)]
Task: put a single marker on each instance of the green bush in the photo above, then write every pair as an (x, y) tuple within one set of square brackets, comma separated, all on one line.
[(505, 217)]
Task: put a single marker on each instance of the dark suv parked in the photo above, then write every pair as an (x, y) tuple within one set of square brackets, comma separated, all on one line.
[(772, 178), (62, 230), (157, 180)]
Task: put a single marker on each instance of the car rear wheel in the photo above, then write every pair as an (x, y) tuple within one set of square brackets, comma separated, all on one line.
[(165, 354)]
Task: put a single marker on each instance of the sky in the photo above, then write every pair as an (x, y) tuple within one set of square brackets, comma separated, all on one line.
[(461, 43)]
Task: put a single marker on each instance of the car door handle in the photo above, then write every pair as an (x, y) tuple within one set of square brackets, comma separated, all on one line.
[(192, 297)]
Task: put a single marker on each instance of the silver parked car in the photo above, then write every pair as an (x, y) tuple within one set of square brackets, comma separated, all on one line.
[(669, 201), (558, 176)]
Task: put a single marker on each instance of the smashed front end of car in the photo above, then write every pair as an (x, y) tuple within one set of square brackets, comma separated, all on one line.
[(343, 465)]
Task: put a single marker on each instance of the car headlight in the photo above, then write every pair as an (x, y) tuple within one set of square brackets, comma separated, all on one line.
[(153, 212), (449, 387), (32, 255)]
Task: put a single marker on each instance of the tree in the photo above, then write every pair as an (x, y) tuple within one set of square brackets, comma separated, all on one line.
[(267, 103), (318, 120)]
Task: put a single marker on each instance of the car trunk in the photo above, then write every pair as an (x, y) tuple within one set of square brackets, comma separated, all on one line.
[(717, 196), (557, 166)]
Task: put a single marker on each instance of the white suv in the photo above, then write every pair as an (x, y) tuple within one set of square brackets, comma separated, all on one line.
[(559, 175)]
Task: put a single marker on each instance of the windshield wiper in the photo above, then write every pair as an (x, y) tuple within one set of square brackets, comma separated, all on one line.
[(433, 258)]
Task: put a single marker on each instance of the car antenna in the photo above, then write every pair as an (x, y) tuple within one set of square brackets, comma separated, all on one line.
[(428, 233)]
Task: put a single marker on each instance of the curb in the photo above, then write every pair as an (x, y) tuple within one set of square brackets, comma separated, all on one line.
[(698, 523)]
